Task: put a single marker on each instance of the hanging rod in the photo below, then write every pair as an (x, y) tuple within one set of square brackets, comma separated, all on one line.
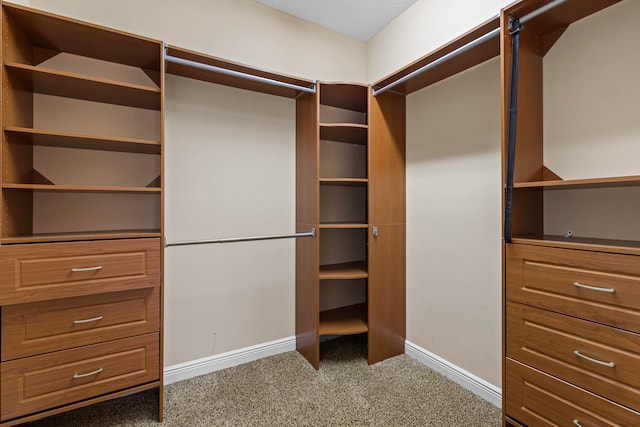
[(448, 56), (233, 73), (311, 233)]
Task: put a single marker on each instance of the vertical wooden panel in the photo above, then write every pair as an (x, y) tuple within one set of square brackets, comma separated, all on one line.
[(387, 207), (387, 294), (307, 216), (387, 152)]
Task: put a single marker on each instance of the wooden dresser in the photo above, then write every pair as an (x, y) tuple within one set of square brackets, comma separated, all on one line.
[(81, 224)]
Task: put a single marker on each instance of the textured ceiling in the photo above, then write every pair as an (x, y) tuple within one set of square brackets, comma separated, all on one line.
[(360, 19)]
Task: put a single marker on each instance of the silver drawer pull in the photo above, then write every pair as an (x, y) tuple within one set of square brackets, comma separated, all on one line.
[(577, 423), (593, 288), (88, 374), (97, 267), (599, 362), (93, 319)]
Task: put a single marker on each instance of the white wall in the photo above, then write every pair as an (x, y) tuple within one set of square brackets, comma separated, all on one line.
[(423, 28), (591, 123), (454, 220), (239, 30)]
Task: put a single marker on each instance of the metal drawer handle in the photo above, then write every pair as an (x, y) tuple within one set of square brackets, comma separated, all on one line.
[(599, 362), (577, 423), (97, 267), (93, 319), (88, 374), (594, 288)]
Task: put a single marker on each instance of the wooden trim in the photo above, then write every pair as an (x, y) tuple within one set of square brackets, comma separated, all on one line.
[(237, 82), (482, 52)]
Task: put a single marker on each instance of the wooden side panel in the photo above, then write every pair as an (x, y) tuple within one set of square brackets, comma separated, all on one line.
[(387, 207), (387, 294), (307, 216), (387, 154)]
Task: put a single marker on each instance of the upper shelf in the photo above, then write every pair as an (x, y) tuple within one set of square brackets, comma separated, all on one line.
[(235, 81), (57, 33), (559, 17), (437, 67), (349, 133), (78, 86), (561, 184), (348, 96), (84, 141)]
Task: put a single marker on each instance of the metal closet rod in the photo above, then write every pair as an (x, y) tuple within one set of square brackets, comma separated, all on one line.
[(448, 56), (233, 73), (311, 233)]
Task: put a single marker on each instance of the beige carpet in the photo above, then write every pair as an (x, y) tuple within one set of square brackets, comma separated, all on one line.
[(284, 390)]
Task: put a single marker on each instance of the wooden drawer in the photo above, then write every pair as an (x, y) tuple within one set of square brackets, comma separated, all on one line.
[(41, 327), (589, 355), (551, 278), (537, 399), (40, 272), (40, 382)]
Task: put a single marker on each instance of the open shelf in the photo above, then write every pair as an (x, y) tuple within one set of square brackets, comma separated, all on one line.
[(344, 181), (78, 86), (336, 225), (77, 236), (348, 96), (350, 133), (344, 271), (344, 320), (82, 141), (583, 243), (609, 182), (79, 188)]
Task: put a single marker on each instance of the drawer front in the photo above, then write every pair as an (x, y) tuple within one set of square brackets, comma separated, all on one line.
[(58, 270), (536, 399), (42, 327), (589, 355), (41, 382), (601, 287)]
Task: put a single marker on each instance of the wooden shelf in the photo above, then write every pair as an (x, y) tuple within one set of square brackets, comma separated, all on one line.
[(238, 82), (344, 271), (350, 133), (348, 96), (83, 235), (582, 243), (559, 17), (61, 34), (79, 188), (344, 181), (344, 320), (338, 225), (83, 141), (477, 55), (78, 86), (559, 184)]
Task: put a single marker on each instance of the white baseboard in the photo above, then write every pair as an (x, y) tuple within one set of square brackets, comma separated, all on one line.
[(466, 379), (194, 368)]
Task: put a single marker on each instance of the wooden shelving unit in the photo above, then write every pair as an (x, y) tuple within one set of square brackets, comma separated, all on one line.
[(346, 320), (84, 226), (570, 329)]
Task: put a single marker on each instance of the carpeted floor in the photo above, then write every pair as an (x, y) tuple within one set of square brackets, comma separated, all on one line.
[(284, 390)]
